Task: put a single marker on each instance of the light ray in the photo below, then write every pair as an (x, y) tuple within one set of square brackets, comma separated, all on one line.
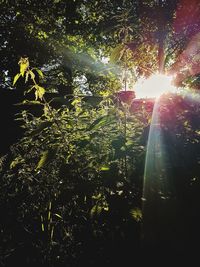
[(158, 189)]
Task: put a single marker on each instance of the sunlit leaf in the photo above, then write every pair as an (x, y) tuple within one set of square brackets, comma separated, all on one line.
[(58, 215), (36, 95), (136, 213), (32, 75), (40, 73), (42, 223), (76, 101), (16, 78), (26, 77), (117, 53), (41, 127), (16, 162), (197, 132), (24, 65), (104, 168), (29, 102), (39, 92), (46, 157), (100, 122), (97, 196), (96, 210), (46, 111), (43, 160), (30, 89)]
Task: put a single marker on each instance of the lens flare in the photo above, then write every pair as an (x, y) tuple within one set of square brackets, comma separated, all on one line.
[(155, 86), (158, 206)]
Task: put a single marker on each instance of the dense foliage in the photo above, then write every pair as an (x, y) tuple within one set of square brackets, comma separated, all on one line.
[(76, 175), (71, 187)]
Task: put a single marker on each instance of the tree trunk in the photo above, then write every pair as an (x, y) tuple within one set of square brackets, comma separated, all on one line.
[(161, 37), (161, 55)]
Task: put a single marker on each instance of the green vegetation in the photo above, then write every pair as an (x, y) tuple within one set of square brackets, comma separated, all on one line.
[(71, 186)]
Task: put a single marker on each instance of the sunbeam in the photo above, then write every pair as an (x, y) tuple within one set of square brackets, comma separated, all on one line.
[(158, 190)]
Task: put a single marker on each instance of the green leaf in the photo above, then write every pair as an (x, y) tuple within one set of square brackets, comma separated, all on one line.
[(96, 210), (136, 213), (43, 160), (76, 101), (117, 53), (24, 65), (26, 76), (97, 196), (36, 95), (16, 161), (41, 127), (106, 208), (16, 78), (32, 75), (100, 122), (92, 100), (105, 168), (29, 102), (39, 92), (30, 89), (40, 73), (46, 111), (46, 157), (58, 215)]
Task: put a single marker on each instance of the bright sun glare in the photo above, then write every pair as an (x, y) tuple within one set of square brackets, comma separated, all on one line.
[(154, 86)]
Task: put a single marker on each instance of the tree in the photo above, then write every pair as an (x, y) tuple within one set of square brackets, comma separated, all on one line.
[(72, 186), (61, 36)]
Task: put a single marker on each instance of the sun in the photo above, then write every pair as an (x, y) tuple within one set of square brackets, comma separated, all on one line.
[(155, 86)]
